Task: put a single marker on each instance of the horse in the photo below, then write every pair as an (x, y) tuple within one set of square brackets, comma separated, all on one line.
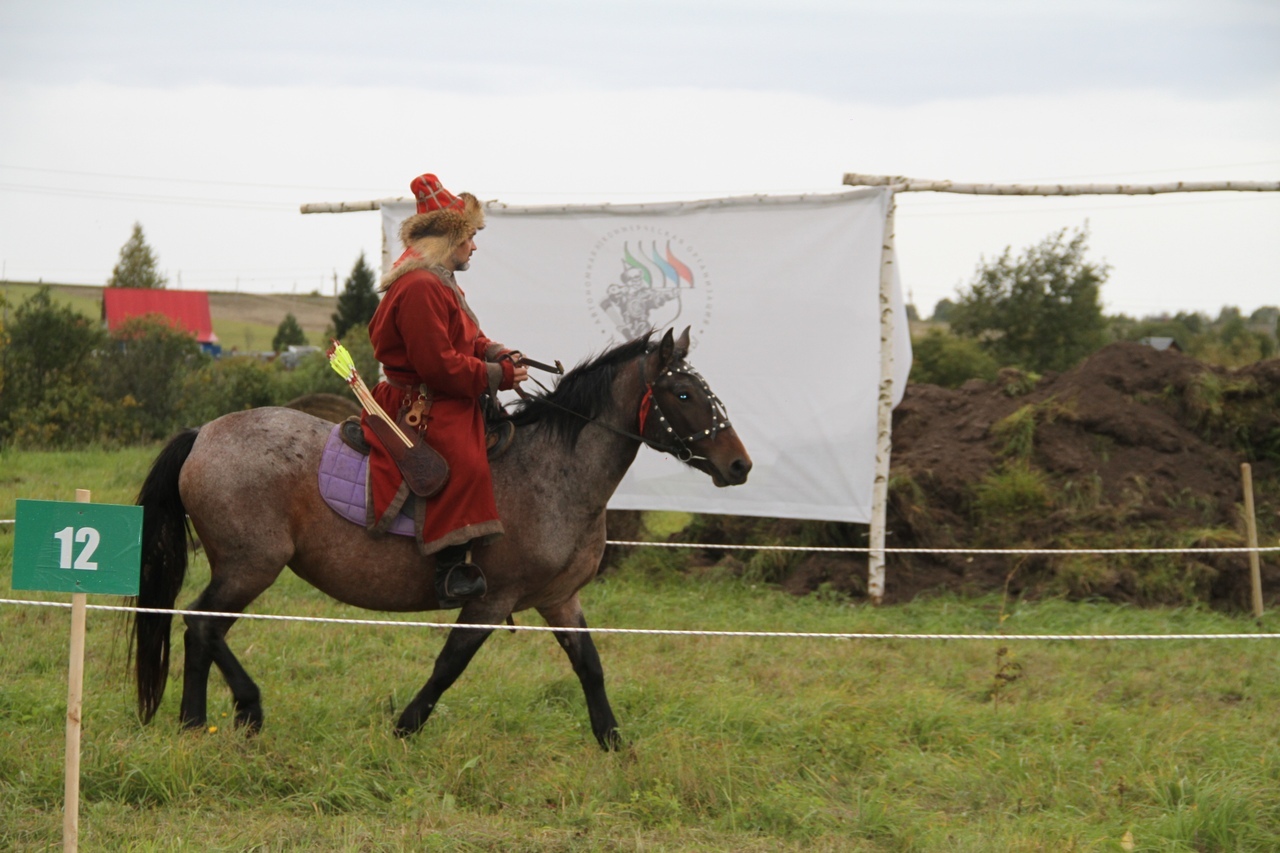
[(248, 483)]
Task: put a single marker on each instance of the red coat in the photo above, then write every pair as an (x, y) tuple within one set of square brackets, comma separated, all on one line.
[(424, 333)]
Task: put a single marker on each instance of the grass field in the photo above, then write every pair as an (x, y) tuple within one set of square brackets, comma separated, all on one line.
[(733, 743)]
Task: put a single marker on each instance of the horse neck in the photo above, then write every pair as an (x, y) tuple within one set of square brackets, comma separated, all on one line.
[(600, 458)]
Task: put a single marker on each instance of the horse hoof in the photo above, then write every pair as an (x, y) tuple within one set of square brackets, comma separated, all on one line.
[(249, 719), (610, 741)]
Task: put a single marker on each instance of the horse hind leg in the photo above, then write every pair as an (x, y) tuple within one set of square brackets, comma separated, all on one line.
[(582, 653), (206, 645)]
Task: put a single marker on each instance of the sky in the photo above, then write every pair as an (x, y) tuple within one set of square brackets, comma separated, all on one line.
[(211, 123)]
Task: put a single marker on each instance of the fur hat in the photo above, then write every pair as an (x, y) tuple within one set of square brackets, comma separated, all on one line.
[(442, 222), (441, 213)]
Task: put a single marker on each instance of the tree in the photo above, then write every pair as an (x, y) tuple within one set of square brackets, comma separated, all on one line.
[(1039, 311), (288, 333), (48, 351), (137, 265), (358, 300), (942, 311)]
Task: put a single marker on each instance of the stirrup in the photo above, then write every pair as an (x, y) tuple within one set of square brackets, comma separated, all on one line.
[(460, 582), (498, 437)]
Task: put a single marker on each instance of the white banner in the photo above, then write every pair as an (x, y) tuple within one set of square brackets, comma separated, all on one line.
[(783, 298)]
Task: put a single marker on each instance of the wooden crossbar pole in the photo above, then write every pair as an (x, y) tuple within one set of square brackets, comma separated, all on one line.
[(901, 184)]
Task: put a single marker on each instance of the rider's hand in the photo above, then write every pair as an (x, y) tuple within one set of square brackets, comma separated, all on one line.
[(520, 375)]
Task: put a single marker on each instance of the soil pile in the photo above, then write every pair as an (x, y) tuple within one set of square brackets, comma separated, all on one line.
[(1134, 448)]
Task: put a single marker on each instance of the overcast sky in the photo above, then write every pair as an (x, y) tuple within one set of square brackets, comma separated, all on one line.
[(210, 124)]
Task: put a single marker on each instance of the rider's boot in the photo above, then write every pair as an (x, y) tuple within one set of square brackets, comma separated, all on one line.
[(457, 578)]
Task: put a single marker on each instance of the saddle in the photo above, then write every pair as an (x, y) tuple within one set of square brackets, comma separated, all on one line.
[(344, 474)]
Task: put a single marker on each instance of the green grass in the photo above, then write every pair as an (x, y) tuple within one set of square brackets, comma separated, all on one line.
[(734, 743)]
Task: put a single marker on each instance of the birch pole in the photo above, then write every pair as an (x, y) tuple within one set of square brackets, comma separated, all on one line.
[(884, 414), (854, 179)]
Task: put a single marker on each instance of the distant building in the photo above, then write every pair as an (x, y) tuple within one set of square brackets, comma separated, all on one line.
[(187, 309), (1161, 344)]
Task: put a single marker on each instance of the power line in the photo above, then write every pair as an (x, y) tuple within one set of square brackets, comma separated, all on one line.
[(191, 180), (152, 199)]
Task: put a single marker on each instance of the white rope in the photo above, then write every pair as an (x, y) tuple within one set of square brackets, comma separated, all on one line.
[(865, 549), (807, 635), (710, 546)]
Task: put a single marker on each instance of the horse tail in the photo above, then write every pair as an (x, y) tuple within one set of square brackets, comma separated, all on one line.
[(164, 567)]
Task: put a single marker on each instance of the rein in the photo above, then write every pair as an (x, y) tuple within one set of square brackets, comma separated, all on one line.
[(649, 404)]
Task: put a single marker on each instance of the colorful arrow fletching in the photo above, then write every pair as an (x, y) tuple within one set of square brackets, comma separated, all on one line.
[(340, 361)]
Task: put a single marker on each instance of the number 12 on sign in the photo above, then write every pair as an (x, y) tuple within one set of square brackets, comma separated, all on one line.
[(89, 537)]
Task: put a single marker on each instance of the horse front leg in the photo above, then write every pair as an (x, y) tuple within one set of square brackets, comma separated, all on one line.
[(460, 646), (582, 653)]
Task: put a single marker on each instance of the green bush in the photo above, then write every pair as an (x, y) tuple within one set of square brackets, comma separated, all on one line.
[(943, 359), (148, 360), (227, 385), (46, 348)]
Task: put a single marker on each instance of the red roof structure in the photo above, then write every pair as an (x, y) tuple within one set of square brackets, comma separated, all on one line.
[(188, 309)]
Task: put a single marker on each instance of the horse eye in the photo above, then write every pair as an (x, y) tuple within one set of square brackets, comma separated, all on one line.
[(684, 396)]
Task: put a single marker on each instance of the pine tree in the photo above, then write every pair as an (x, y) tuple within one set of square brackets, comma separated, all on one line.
[(358, 300), (288, 333), (137, 265)]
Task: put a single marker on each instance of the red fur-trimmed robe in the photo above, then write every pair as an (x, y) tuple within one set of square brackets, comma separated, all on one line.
[(424, 333)]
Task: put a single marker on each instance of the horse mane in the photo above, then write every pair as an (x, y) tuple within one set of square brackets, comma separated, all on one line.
[(581, 395)]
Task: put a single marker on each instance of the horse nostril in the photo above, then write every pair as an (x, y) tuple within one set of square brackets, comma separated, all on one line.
[(740, 468)]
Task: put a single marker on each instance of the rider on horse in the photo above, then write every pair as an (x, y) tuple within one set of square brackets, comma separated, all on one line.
[(439, 366)]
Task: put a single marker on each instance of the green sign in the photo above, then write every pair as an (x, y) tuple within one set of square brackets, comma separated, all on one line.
[(77, 547)]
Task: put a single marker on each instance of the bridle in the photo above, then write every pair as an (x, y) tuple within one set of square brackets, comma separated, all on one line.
[(679, 448)]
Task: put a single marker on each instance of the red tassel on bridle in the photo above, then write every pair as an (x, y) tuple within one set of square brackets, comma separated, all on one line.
[(646, 403)]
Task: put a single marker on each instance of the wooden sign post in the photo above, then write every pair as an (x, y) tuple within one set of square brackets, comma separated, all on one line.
[(1251, 531), (78, 548)]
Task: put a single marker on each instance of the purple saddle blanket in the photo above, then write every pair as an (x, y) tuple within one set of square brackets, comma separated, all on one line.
[(343, 474)]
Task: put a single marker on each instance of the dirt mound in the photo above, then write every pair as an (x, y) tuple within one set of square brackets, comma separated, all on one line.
[(1134, 448)]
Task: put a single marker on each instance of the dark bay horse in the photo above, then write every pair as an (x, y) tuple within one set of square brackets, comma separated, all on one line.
[(248, 482)]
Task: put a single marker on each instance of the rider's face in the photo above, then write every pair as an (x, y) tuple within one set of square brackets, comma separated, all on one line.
[(461, 256)]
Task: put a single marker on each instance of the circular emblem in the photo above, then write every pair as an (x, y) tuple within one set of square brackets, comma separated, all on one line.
[(641, 277)]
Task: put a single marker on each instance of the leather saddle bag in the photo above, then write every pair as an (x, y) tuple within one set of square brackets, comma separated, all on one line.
[(425, 471)]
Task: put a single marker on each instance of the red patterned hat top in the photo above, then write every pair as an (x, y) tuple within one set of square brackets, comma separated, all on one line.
[(432, 196)]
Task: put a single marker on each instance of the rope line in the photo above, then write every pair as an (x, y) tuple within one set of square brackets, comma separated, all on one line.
[(808, 635), (865, 549), (888, 550)]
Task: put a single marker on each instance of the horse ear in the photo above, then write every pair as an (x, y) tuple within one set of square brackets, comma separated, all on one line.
[(662, 358), (682, 345)]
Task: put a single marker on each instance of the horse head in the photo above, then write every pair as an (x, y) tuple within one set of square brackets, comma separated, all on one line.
[(682, 416)]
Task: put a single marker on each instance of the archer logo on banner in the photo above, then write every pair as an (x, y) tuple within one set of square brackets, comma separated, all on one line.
[(641, 277)]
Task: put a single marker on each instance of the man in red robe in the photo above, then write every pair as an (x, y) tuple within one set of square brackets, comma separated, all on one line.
[(438, 364)]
